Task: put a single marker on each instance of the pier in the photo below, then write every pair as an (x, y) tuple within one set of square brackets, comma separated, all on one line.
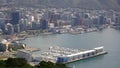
[(32, 49)]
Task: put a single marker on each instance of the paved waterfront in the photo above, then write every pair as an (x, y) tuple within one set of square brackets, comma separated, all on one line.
[(109, 38)]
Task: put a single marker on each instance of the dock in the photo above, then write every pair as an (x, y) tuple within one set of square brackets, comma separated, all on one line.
[(32, 49)]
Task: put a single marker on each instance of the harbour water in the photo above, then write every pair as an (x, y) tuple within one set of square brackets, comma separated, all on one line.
[(109, 38)]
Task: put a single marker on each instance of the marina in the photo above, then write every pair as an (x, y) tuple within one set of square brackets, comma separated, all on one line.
[(58, 54), (67, 55)]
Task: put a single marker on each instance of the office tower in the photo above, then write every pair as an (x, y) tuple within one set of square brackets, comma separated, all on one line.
[(2, 21), (43, 24), (9, 29), (75, 22), (53, 18), (88, 22), (34, 26), (17, 28), (95, 22), (15, 18), (102, 20), (117, 20), (22, 24), (2, 47)]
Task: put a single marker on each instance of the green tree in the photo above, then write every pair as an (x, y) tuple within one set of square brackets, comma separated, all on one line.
[(2, 64), (49, 64), (17, 63)]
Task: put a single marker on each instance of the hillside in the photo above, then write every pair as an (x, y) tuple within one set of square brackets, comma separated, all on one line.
[(91, 4)]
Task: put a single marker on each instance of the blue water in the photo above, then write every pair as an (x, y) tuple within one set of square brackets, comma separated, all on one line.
[(109, 38)]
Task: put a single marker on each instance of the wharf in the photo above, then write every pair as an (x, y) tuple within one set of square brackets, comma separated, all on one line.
[(32, 49)]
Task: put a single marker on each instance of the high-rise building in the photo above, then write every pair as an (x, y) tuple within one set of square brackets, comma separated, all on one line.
[(88, 22), (17, 28), (2, 47), (117, 20), (9, 29), (102, 20), (15, 18), (53, 18), (34, 26), (43, 24), (75, 22), (22, 25), (2, 21), (95, 22), (2, 24)]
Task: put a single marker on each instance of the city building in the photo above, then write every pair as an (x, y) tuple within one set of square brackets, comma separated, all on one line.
[(25, 54), (43, 24), (75, 22), (2, 21), (2, 47), (15, 17), (102, 20), (117, 20), (16, 28), (22, 19), (9, 29)]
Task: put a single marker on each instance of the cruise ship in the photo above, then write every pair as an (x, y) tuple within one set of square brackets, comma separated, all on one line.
[(81, 55)]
